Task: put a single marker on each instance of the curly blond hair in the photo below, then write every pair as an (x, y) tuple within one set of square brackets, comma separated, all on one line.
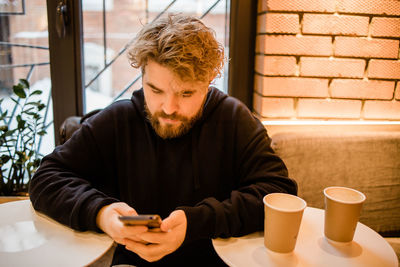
[(181, 43)]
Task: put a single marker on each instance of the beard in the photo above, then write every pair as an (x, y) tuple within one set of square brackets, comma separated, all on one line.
[(169, 131)]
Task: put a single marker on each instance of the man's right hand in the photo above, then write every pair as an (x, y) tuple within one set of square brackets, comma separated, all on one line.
[(107, 220)]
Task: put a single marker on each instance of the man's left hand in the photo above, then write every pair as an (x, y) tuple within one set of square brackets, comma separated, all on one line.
[(161, 243)]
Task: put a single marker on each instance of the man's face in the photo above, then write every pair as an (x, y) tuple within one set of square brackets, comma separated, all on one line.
[(172, 106)]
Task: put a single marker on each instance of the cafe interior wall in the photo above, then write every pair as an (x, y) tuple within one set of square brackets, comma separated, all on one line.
[(328, 63)]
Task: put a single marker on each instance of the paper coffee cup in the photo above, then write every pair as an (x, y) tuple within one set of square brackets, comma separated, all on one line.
[(283, 214), (342, 211)]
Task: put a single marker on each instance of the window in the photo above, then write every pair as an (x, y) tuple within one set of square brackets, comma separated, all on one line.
[(108, 75), (24, 54)]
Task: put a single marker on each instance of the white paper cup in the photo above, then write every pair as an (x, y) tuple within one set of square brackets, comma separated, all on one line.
[(283, 214), (342, 211)]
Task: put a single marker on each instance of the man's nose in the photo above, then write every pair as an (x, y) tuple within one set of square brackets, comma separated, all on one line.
[(170, 105)]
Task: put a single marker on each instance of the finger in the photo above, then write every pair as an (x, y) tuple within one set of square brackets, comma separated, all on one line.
[(125, 209), (132, 231), (154, 230), (135, 239), (154, 237), (149, 252), (171, 221), (120, 241)]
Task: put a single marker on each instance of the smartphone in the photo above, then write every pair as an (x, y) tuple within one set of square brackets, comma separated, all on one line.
[(151, 221)]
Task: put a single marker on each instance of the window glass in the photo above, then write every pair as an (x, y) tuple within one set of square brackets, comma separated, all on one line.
[(108, 33), (24, 54)]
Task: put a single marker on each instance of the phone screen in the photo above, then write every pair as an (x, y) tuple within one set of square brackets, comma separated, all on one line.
[(151, 221)]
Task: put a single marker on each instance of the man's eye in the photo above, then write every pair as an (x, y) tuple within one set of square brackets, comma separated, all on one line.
[(187, 94), (156, 91)]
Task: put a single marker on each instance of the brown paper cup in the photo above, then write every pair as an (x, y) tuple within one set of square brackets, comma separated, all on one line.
[(342, 211), (283, 214)]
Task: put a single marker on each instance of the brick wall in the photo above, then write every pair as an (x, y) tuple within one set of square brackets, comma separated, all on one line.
[(336, 59)]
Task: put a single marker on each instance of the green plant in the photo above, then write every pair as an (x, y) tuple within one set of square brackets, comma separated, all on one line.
[(20, 128)]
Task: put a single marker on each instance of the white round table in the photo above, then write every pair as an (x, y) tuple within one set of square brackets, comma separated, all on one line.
[(28, 238), (312, 249)]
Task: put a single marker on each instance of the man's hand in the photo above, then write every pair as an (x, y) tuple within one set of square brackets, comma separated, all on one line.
[(160, 243), (107, 220)]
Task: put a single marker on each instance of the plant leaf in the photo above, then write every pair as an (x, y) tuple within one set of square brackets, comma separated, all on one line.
[(21, 124), (19, 91), (36, 162), (36, 92), (4, 159), (37, 103), (4, 128), (3, 115), (10, 132), (41, 133), (29, 109), (41, 106), (24, 83)]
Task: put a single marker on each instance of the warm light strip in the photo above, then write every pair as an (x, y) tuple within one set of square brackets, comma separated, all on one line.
[(299, 122)]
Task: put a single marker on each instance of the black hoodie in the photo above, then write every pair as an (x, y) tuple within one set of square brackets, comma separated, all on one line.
[(217, 174)]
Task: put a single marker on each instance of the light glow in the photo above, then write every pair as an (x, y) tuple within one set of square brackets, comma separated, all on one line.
[(331, 122)]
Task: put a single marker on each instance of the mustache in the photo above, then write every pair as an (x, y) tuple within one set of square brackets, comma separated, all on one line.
[(173, 116)]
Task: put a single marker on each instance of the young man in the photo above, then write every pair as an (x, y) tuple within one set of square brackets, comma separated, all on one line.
[(178, 148)]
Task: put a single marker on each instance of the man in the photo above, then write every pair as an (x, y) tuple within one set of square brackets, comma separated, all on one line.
[(178, 148)]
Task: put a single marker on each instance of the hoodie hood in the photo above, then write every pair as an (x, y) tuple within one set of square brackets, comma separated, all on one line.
[(213, 99)]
